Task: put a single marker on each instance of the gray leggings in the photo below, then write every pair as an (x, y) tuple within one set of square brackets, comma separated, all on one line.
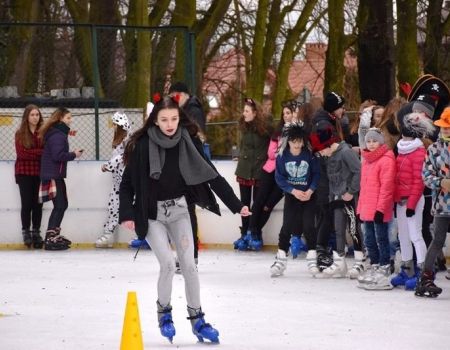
[(440, 224), (173, 225)]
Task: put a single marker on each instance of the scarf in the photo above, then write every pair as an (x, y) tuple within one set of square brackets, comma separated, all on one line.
[(408, 146), (193, 167)]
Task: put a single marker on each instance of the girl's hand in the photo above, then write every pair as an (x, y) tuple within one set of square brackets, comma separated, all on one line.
[(129, 224), (347, 197), (103, 167), (245, 211)]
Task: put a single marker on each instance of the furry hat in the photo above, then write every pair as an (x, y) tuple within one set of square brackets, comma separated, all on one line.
[(424, 103), (333, 101), (292, 131), (323, 135), (120, 118), (414, 124)]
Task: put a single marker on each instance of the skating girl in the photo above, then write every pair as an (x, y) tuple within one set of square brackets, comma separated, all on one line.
[(297, 173), (375, 207), (436, 175), (27, 168), (165, 170), (53, 171), (409, 193), (114, 165), (252, 156)]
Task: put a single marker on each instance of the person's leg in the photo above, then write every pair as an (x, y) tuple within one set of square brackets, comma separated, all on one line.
[(427, 218), (36, 210), (371, 243), (440, 234), (25, 184), (246, 198), (324, 223), (340, 225), (403, 234), (194, 227), (290, 222), (309, 228), (180, 233), (415, 232), (60, 204), (382, 241), (265, 187)]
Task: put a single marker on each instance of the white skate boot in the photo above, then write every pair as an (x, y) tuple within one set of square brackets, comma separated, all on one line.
[(339, 267), (106, 240), (381, 279), (311, 260), (279, 265), (358, 266)]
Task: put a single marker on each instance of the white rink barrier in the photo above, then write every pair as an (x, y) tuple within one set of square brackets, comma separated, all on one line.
[(88, 189)]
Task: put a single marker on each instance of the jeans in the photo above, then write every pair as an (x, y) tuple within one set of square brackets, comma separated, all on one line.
[(376, 239), (60, 204)]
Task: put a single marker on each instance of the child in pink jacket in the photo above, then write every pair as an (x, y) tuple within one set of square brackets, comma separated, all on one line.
[(409, 194), (375, 208)]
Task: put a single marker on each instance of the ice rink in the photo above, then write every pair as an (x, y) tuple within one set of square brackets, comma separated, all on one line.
[(76, 300)]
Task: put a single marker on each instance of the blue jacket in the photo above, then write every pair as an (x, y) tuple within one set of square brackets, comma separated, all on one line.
[(55, 155), (300, 172)]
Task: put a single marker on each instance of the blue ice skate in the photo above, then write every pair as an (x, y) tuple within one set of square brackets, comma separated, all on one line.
[(165, 321), (411, 282), (200, 328), (242, 243), (139, 243), (400, 279), (255, 243), (297, 246)]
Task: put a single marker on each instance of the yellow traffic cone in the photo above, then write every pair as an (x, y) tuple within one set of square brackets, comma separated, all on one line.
[(131, 333)]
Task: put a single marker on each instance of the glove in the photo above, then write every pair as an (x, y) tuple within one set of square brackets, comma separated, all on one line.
[(410, 212), (378, 217)]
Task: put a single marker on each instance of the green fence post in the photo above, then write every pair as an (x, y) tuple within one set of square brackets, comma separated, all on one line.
[(96, 90)]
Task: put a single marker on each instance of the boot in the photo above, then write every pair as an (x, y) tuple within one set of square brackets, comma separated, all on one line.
[(324, 258), (38, 243), (311, 260), (279, 265), (53, 241), (358, 266), (411, 282), (165, 321), (297, 246), (406, 272), (256, 242), (27, 238), (242, 243), (106, 240), (381, 279), (426, 287), (368, 276), (58, 231), (200, 328), (339, 267)]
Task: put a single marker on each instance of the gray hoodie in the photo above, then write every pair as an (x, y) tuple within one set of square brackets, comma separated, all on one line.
[(344, 172)]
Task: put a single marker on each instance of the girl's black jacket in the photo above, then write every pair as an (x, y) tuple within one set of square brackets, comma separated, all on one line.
[(138, 191)]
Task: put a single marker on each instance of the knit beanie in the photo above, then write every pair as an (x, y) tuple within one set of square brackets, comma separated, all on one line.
[(323, 135), (374, 134), (333, 101), (424, 103), (178, 87)]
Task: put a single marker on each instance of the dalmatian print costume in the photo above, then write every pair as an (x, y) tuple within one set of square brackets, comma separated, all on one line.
[(116, 166)]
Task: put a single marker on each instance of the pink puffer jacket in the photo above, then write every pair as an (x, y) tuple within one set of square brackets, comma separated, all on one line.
[(269, 166), (408, 181), (377, 184)]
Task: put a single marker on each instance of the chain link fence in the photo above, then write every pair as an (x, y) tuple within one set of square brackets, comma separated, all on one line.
[(92, 70)]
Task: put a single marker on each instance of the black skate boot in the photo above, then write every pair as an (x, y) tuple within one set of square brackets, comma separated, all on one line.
[(53, 241), (58, 231), (426, 287), (38, 243), (27, 238), (324, 258)]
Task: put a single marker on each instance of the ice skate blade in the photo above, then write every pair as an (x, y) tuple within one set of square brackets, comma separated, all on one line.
[(426, 295), (211, 341), (374, 286)]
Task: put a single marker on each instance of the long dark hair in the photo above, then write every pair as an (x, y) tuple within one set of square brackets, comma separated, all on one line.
[(259, 123), (166, 102), (23, 134)]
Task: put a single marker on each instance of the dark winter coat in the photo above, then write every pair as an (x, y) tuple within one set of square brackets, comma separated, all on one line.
[(252, 155), (194, 109), (56, 154), (138, 195)]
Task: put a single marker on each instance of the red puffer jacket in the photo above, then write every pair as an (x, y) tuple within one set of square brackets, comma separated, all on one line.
[(377, 184), (408, 182)]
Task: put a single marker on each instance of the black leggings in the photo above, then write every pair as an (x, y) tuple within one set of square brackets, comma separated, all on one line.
[(298, 218), (324, 219), (246, 199), (31, 210), (60, 205), (269, 194)]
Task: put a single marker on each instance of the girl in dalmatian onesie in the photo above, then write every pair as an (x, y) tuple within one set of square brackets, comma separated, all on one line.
[(116, 166)]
